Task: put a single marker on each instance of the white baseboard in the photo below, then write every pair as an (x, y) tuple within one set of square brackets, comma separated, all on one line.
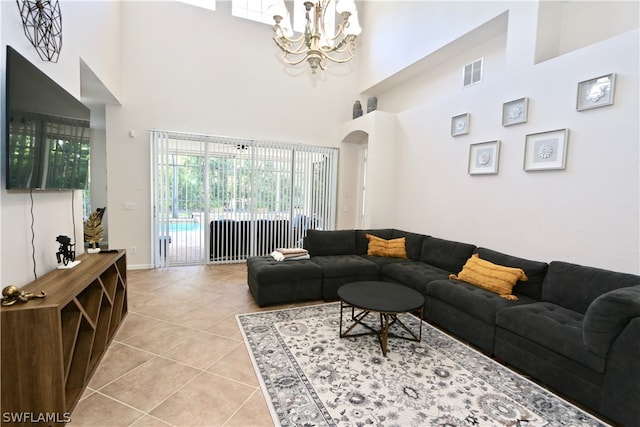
[(139, 266)]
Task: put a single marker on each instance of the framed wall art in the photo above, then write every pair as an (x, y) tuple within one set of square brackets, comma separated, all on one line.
[(597, 92), (484, 158), (460, 124), (546, 150), (515, 112)]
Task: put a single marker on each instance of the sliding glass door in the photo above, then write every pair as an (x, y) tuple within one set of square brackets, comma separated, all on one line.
[(251, 197)]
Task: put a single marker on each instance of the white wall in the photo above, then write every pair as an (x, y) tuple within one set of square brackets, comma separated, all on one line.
[(376, 131), (406, 31), (181, 68), (206, 72), (90, 31), (588, 213)]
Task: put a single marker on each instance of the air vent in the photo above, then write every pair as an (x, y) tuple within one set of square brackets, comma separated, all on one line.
[(472, 73)]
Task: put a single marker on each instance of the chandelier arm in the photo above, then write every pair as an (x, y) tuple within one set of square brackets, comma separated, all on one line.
[(292, 40), (340, 30), (300, 51), (288, 61), (305, 53), (340, 60), (287, 46), (340, 47), (346, 44), (346, 52)]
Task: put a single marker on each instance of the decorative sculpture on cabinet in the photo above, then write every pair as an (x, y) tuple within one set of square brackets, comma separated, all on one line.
[(65, 252)]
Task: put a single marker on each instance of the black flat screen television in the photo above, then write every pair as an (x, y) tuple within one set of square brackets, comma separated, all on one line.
[(47, 133)]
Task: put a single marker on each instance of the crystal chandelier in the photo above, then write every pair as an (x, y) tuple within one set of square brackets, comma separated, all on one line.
[(322, 40)]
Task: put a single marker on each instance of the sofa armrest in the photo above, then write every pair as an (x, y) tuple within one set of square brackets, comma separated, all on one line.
[(621, 385), (607, 316)]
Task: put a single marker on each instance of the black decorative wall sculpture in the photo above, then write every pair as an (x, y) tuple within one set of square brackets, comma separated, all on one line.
[(42, 22)]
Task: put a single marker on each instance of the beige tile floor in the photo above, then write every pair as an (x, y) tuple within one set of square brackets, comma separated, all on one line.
[(179, 358)]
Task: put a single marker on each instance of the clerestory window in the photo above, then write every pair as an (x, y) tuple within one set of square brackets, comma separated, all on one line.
[(205, 4), (259, 11), (254, 10)]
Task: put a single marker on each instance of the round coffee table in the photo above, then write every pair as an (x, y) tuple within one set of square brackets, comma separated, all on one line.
[(388, 300)]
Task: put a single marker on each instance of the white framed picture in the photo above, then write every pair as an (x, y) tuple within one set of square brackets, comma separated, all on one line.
[(484, 158), (460, 124), (546, 150), (515, 112), (597, 92)]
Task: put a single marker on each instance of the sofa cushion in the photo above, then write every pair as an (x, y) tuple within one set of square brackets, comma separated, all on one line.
[(393, 248), (384, 260), (445, 254), (535, 271), (413, 243), (278, 282), (575, 286), (339, 242), (607, 316), (346, 266), (471, 299), (492, 277), (267, 270), (414, 274), (553, 327)]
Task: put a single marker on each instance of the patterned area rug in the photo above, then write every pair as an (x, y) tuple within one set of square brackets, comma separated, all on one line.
[(312, 377)]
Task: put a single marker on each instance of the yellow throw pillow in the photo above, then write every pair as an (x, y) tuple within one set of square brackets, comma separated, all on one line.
[(394, 248), (491, 277)]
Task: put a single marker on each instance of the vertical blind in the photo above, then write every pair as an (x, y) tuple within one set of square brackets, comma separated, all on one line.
[(222, 199)]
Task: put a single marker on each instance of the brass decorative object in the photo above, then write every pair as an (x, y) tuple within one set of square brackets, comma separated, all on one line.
[(94, 228), (42, 23), (11, 295)]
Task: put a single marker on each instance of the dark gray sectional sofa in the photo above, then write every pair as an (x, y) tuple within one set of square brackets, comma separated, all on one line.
[(574, 328)]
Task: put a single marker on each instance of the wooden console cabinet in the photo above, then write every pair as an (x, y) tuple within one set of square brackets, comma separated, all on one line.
[(52, 346)]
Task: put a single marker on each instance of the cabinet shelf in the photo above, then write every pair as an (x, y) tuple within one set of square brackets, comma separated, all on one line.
[(51, 346), (109, 282), (89, 301), (70, 323), (100, 340)]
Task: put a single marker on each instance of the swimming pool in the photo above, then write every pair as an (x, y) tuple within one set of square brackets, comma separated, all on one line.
[(184, 226)]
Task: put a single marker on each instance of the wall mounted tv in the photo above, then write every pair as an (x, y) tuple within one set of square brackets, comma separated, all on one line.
[(47, 131)]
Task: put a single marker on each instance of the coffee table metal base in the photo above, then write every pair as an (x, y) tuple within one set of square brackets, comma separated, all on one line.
[(386, 320)]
